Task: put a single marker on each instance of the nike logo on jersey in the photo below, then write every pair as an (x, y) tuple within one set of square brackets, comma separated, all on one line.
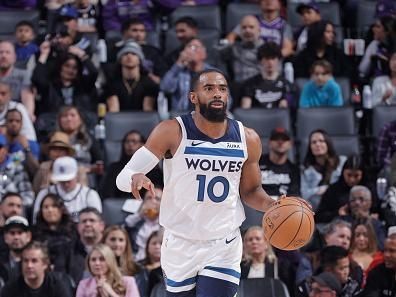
[(229, 241), (197, 143)]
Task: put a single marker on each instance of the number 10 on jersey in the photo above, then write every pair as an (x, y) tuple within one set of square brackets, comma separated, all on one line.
[(208, 187)]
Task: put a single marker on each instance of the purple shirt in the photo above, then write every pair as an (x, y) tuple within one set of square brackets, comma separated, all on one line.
[(87, 287), (115, 12), (17, 4), (386, 144)]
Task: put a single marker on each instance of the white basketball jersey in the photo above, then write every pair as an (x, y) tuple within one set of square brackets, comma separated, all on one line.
[(201, 193)]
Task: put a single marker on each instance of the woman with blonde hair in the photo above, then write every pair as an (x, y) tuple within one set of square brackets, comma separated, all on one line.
[(106, 280), (259, 259), (116, 237)]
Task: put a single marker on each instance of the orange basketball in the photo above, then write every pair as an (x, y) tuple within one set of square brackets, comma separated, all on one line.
[(288, 224)]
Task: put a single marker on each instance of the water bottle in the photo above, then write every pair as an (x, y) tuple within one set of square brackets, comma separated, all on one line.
[(289, 72), (367, 97), (162, 103), (381, 186), (102, 51), (355, 96), (100, 128)]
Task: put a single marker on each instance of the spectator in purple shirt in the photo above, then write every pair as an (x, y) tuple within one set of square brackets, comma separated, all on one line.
[(386, 144), (115, 12), (17, 4)]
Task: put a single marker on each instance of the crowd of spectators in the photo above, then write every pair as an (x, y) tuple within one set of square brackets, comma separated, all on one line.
[(55, 176)]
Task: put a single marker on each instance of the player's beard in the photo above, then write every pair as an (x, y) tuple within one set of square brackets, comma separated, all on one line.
[(217, 115)]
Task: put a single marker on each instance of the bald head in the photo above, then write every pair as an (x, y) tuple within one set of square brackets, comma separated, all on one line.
[(250, 29)]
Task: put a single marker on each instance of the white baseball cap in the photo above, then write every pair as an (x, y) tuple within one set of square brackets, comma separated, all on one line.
[(391, 230), (64, 169)]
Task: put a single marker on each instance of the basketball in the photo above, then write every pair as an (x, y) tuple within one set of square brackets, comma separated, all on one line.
[(288, 224)]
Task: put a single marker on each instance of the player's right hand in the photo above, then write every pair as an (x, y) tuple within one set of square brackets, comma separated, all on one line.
[(140, 181)]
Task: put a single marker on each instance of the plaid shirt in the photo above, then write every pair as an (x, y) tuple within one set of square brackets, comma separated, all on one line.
[(13, 178), (386, 144)]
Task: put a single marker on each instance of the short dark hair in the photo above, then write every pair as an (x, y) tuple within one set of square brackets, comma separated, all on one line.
[(13, 110), (189, 21), (331, 254), (328, 68), (195, 77), (24, 23), (37, 245), (269, 50), (91, 209), (134, 21), (10, 194)]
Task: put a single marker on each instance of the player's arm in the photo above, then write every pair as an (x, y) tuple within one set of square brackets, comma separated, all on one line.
[(163, 139), (250, 188)]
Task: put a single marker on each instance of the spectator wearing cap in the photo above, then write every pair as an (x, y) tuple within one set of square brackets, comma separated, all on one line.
[(335, 259), (74, 195), (131, 88), (269, 89), (18, 145), (13, 175), (176, 82), (154, 61), (11, 204), (36, 278), (17, 79), (6, 104), (17, 235), (310, 14), (325, 284), (381, 279), (68, 16), (59, 146), (240, 58), (279, 176)]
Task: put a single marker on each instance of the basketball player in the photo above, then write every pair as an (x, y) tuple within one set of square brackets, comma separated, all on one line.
[(209, 162)]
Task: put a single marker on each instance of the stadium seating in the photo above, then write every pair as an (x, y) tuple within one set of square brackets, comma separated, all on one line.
[(381, 116), (9, 18), (236, 11), (207, 16), (264, 120), (330, 11), (260, 287), (365, 15), (112, 210), (119, 123)]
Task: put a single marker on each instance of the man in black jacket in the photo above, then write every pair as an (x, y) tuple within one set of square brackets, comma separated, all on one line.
[(381, 281), (35, 280)]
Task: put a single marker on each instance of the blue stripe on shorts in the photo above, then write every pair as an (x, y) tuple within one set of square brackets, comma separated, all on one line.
[(227, 271), (186, 282)]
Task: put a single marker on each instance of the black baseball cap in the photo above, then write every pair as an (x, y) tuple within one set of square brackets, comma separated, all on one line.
[(280, 133), (309, 5), (329, 280)]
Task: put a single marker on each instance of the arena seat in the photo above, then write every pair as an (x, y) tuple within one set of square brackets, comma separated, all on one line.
[(158, 290), (259, 287), (336, 121), (112, 150), (381, 116), (206, 16), (112, 210), (264, 120), (236, 11), (119, 123), (344, 145), (365, 14), (9, 18)]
